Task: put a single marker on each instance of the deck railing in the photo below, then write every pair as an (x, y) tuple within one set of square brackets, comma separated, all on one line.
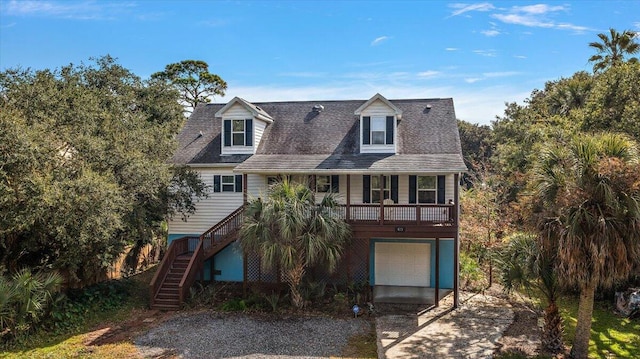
[(427, 214)]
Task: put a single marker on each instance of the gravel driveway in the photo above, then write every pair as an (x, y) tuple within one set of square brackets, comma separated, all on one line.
[(228, 335)]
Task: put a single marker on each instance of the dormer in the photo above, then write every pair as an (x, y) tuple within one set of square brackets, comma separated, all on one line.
[(378, 125), (243, 124)]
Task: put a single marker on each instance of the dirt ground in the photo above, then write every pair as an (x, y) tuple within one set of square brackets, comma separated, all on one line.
[(522, 336)]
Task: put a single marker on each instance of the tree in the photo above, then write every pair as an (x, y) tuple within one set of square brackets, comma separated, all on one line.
[(193, 80), (290, 231), (529, 262), (84, 165), (613, 49), (614, 104), (589, 194)]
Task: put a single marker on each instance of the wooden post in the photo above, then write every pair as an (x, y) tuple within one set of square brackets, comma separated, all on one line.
[(381, 182), (244, 189), (245, 274), (456, 242), (437, 294), (348, 214)]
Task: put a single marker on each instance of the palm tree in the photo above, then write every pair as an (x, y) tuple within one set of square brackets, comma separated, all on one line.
[(612, 50), (591, 194), (290, 231), (528, 262)]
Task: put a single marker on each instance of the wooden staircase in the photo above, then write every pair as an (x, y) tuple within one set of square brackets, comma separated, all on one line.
[(185, 258)]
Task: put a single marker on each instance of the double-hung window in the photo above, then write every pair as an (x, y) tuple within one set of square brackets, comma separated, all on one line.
[(326, 184), (375, 188), (427, 189), (238, 132), (378, 130), (228, 183)]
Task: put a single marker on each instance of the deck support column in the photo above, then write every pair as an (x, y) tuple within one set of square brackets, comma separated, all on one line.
[(244, 189), (348, 213), (437, 293), (456, 241), (381, 182)]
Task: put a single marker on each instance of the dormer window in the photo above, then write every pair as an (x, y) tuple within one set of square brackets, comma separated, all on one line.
[(377, 130), (379, 120), (238, 132)]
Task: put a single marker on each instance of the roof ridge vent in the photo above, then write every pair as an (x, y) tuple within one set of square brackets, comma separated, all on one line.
[(318, 108)]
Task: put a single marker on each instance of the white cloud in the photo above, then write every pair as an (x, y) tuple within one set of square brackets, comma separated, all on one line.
[(500, 74), (84, 10), (451, 49), (463, 8), (490, 33), (537, 16), (538, 8), (426, 74), (471, 80), (487, 53), (519, 56), (379, 40)]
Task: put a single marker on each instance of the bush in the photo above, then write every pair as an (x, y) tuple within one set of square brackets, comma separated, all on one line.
[(470, 272), (25, 300)]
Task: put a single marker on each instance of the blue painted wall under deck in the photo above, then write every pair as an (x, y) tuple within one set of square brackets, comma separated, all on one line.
[(446, 259), (228, 261)]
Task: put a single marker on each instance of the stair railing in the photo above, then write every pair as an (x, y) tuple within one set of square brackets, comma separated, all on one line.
[(177, 247), (222, 229), (195, 265)]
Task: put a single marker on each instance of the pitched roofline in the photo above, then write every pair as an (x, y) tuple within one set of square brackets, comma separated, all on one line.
[(256, 111), (375, 97)]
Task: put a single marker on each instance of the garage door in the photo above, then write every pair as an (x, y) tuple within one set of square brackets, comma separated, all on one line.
[(404, 264)]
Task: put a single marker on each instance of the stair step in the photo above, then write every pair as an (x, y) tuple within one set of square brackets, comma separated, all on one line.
[(170, 297), (165, 307)]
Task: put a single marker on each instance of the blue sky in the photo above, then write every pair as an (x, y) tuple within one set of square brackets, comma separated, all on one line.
[(482, 54)]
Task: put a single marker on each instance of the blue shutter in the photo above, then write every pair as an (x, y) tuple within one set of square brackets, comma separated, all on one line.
[(366, 189), (389, 130), (335, 183), (227, 132), (394, 188), (441, 186), (216, 183), (413, 184), (248, 132), (238, 183), (366, 130)]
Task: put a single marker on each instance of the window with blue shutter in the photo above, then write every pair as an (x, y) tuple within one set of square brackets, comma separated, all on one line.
[(366, 189), (227, 132), (394, 188), (216, 183), (248, 127), (441, 189), (335, 184), (413, 188), (366, 130), (389, 133), (238, 183)]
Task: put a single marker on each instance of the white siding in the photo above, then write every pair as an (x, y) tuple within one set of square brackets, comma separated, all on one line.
[(258, 130), (449, 188), (378, 108), (211, 210), (237, 111)]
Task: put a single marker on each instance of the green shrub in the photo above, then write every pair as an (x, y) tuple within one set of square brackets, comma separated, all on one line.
[(470, 272), (25, 301), (234, 305)]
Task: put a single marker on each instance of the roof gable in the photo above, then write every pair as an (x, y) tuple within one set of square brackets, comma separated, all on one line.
[(379, 97), (256, 111)]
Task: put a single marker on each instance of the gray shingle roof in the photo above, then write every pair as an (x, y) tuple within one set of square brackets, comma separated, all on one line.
[(300, 139)]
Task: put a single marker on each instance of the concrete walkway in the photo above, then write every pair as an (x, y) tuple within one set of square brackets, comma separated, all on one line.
[(471, 331)]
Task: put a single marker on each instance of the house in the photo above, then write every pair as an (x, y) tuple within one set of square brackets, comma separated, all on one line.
[(395, 165)]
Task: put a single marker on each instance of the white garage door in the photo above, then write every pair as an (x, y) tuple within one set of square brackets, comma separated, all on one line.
[(404, 264)]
